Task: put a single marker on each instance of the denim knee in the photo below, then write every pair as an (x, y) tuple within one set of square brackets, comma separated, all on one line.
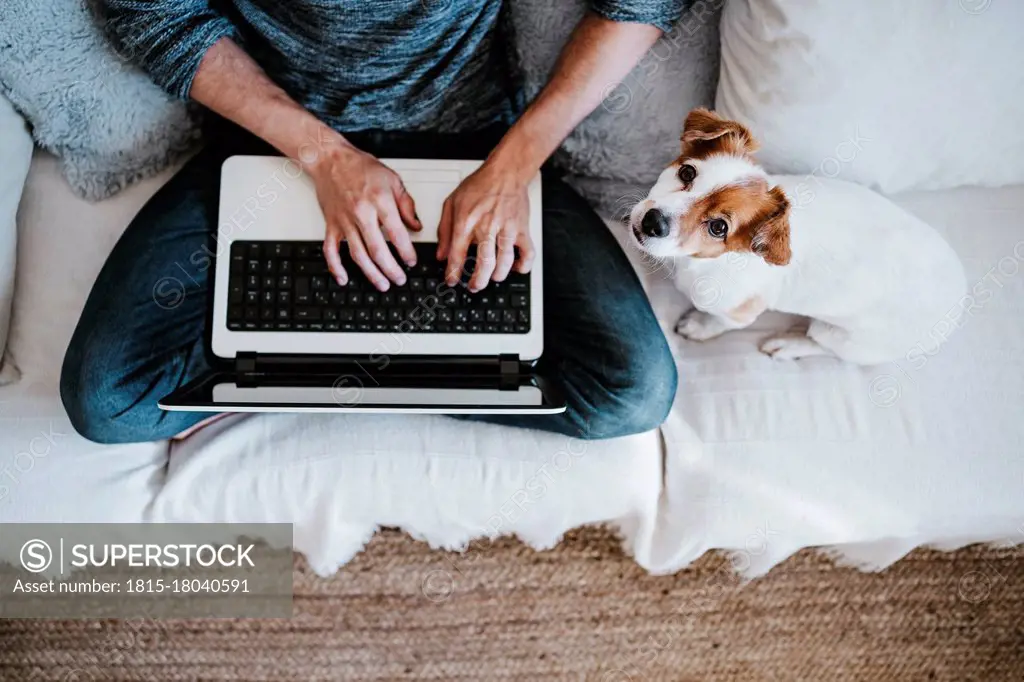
[(82, 398), (638, 395), (97, 408)]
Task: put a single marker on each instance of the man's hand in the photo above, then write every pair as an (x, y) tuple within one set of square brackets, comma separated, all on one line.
[(491, 209), (363, 202)]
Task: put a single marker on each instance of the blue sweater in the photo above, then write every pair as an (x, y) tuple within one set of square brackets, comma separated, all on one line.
[(356, 64)]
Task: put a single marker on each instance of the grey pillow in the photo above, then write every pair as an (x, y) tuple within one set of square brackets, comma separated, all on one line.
[(622, 147), (108, 123)]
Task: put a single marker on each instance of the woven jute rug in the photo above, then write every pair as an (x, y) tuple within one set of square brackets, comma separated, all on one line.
[(580, 612)]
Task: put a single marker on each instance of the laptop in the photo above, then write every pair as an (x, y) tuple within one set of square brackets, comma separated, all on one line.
[(283, 336)]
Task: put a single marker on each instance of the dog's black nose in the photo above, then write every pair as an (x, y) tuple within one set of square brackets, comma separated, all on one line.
[(655, 224)]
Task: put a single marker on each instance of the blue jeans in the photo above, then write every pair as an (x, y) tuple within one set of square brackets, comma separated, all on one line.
[(141, 335)]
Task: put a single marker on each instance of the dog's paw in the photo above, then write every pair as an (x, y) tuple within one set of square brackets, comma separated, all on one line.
[(790, 346), (698, 326)]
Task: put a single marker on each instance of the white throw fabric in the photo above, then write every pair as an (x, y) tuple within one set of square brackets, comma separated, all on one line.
[(761, 458), (338, 478), (917, 94)]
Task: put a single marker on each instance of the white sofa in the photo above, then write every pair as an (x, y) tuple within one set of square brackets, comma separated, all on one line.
[(759, 457)]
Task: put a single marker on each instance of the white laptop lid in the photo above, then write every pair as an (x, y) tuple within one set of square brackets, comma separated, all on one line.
[(270, 198)]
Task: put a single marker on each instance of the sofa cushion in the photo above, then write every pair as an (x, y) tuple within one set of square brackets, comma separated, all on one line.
[(899, 96), (869, 461), (105, 119), (336, 476), (16, 152)]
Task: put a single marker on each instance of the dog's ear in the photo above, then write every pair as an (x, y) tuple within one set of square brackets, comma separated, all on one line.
[(708, 133), (770, 235)]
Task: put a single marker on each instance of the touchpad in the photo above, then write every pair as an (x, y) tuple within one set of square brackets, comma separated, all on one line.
[(429, 189)]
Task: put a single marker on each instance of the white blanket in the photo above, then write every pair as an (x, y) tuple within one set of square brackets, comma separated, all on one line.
[(761, 457)]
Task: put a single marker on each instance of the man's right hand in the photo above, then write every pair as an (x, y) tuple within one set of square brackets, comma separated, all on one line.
[(365, 204), (363, 200)]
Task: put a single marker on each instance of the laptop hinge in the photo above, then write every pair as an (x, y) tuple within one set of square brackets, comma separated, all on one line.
[(509, 367), (245, 369)]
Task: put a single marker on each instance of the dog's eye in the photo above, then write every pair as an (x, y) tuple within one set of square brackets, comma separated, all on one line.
[(687, 173), (718, 228)]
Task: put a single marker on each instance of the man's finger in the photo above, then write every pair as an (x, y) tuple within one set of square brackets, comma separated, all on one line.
[(357, 250), (526, 252), (333, 257), (485, 261), (456, 255), (395, 229), (407, 208), (444, 230), (506, 255), (377, 248)]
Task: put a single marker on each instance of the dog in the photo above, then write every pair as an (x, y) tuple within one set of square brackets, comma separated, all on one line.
[(873, 279)]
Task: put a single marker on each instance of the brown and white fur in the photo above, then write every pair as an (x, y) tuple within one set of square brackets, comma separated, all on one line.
[(873, 278)]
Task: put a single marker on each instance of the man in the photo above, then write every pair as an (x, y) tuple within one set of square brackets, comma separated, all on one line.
[(335, 84)]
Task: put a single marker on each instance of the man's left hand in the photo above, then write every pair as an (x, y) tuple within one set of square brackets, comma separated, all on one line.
[(491, 209)]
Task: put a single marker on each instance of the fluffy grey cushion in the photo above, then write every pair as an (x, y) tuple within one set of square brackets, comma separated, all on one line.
[(623, 146), (109, 124)]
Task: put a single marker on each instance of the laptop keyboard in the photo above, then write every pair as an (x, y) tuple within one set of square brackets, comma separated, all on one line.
[(286, 286)]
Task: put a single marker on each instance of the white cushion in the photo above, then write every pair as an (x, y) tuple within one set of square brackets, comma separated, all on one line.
[(919, 94), (337, 477), (870, 461), (794, 454), (16, 155)]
